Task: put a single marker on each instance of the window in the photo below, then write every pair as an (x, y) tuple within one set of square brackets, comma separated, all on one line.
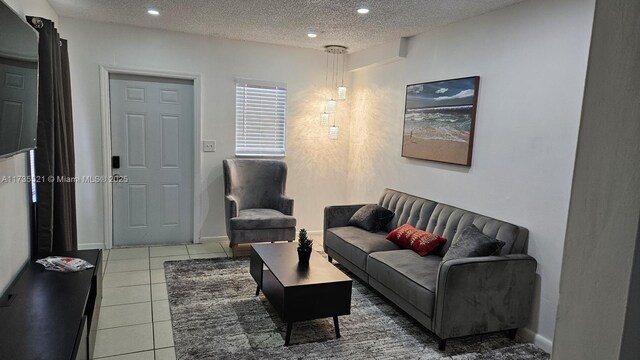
[(260, 118)]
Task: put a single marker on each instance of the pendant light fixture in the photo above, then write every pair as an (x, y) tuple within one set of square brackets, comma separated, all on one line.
[(331, 105), (337, 54), (342, 90), (324, 118), (338, 66), (333, 132)]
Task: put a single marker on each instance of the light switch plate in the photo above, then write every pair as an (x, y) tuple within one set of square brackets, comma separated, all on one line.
[(209, 146)]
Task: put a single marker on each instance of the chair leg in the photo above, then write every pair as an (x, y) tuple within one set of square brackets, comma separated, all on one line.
[(330, 258), (288, 335), (442, 344), (234, 251)]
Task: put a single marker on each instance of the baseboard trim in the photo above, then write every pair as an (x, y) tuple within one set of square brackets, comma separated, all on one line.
[(90, 246), (225, 238), (537, 339), (213, 238), (314, 232)]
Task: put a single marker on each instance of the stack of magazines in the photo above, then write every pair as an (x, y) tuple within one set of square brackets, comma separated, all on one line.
[(64, 264)]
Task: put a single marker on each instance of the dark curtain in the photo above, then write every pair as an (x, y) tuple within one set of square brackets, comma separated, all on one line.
[(54, 155)]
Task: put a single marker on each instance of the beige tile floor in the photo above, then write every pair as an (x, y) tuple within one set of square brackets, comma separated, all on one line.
[(135, 322)]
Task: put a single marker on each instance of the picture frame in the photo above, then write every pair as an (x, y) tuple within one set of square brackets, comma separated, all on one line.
[(439, 120)]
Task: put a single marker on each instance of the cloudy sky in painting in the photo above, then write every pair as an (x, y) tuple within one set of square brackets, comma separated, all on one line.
[(441, 93)]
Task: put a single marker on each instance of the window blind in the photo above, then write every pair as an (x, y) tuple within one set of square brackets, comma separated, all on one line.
[(260, 119)]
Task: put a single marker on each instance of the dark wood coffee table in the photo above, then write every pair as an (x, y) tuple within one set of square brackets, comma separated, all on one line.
[(300, 292)]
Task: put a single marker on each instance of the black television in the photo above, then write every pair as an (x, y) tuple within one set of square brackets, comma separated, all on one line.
[(18, 83)]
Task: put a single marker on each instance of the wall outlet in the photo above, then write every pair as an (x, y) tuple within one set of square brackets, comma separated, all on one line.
[(209, 146)]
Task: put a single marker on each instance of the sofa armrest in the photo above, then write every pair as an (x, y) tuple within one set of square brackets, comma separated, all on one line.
[(483, 294), (339, 215), (286, 205)]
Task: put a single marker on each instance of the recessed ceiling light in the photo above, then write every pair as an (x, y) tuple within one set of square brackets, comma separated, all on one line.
[(363, 10), (312, 35), (154, 12)]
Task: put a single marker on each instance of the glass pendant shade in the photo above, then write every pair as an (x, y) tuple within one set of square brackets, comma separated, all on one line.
[(324, 119), (342, 93), (331, 106), (333, 132)]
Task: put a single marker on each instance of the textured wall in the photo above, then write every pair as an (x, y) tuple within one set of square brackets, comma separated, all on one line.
[(602, 230), (531, 58)]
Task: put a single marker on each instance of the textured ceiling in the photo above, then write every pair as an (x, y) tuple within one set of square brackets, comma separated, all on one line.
[(285, 22)]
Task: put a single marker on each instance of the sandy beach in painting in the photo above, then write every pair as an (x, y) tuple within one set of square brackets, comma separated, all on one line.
[(440, 150), (438, 133)]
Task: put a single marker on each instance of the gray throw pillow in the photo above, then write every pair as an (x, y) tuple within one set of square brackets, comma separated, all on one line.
[(473, 243), (371, 217)]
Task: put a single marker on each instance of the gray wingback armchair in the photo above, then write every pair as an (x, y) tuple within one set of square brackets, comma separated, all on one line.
[(256, 208)]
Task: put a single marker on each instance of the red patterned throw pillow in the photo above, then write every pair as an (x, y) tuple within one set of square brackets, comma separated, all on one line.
[(422, 242), (400, 236)]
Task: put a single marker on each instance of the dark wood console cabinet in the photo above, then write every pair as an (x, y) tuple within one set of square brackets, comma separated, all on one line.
[(53, 315)]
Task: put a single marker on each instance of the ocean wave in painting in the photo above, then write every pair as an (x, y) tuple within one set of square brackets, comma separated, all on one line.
[(450, 123)]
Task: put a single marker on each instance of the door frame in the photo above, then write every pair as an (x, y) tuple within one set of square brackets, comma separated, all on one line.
[(105, 109)]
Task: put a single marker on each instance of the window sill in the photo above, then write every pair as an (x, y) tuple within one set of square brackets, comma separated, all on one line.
[(261, 156)]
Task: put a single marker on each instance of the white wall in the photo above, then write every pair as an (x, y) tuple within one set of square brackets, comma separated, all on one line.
[(317, 166), (598, 308), (14, 198), (16, 5), (531, 58), (40, 8)]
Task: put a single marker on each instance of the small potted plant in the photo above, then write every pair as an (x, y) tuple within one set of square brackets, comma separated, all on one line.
[(305, 246)]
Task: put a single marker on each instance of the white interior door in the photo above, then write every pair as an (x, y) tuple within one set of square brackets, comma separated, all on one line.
[(152, 127)]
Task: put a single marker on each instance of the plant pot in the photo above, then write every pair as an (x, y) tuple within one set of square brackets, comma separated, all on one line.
[(304, 255)]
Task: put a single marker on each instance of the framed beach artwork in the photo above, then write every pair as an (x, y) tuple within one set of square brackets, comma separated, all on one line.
[(439, 118)]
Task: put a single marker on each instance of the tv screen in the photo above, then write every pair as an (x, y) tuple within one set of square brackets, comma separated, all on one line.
[(18, 83)]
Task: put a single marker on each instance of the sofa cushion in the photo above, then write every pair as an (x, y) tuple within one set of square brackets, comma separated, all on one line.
[(407, 209), (420, 241), (411, 276), (472, 243), (355, 244), (445, 220), (371, 217), (449, 222), (250, 219)]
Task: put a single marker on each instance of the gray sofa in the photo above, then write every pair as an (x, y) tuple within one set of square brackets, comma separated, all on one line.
[(459, 297)]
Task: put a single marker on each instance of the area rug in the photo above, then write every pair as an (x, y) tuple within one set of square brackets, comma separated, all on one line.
[(216, 315)]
